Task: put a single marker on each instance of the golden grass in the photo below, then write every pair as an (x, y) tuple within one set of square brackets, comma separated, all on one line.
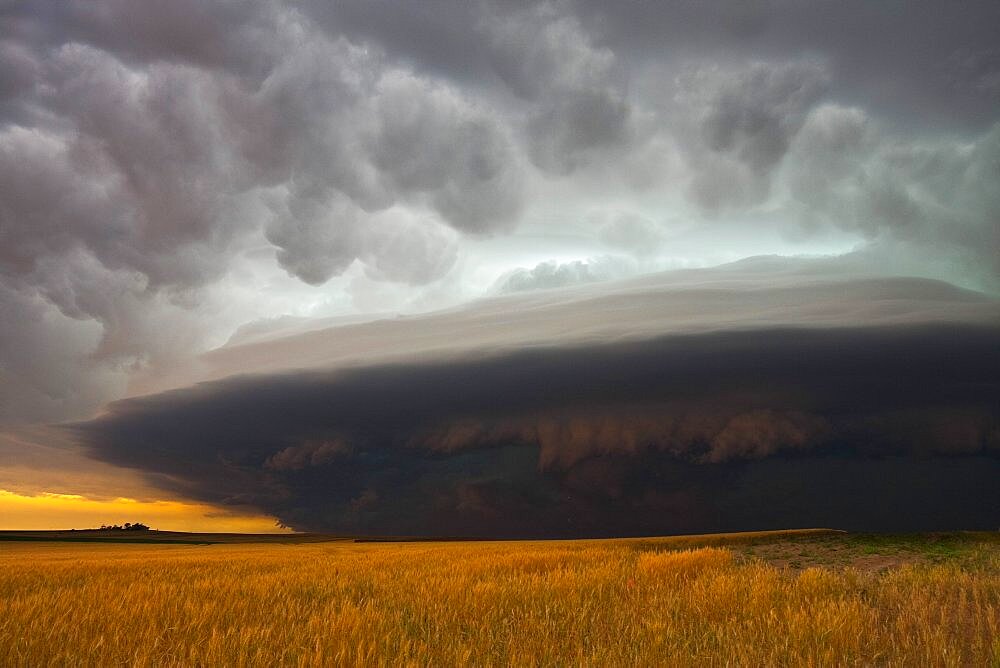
[(441, 604)]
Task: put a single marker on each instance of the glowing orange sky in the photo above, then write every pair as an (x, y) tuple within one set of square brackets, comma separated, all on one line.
[(70, 511), (47, 482)]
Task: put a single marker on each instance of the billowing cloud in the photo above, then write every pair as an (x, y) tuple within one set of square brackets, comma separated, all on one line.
[(173, 171), (561, 274), (147, 152), (141, 163), (843, 172), (653, 434), (746, 120), (545, 56)]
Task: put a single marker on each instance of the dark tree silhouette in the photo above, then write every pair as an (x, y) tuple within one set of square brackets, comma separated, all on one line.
[(128, 526)]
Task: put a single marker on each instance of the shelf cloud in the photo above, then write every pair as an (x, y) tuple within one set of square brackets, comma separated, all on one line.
[(469, 187), (618, 432)]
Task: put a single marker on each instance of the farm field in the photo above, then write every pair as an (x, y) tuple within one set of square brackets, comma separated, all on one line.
[(776, 598)]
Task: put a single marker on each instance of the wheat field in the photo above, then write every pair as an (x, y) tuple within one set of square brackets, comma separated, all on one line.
[(603, 603)]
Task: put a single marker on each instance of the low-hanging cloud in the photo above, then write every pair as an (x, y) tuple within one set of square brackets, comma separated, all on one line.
[(720, 426)]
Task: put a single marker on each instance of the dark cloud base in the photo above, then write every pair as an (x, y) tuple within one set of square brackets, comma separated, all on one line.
[(890, 428)]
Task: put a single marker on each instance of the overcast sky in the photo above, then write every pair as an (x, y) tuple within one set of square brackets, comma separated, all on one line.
[(371, 185)]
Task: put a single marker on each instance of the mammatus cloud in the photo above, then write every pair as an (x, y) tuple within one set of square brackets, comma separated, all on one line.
[(745, 121), (841, 173), (169, 156), (626, 431), (152, 156)]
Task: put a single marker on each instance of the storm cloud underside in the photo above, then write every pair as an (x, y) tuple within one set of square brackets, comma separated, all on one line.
[(714, 428)]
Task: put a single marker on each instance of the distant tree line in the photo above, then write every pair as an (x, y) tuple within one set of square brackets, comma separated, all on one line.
[(128, 526)]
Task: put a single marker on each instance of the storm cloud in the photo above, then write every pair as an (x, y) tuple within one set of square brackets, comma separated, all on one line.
[(697, 430), (468, 187), (153, 156)]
